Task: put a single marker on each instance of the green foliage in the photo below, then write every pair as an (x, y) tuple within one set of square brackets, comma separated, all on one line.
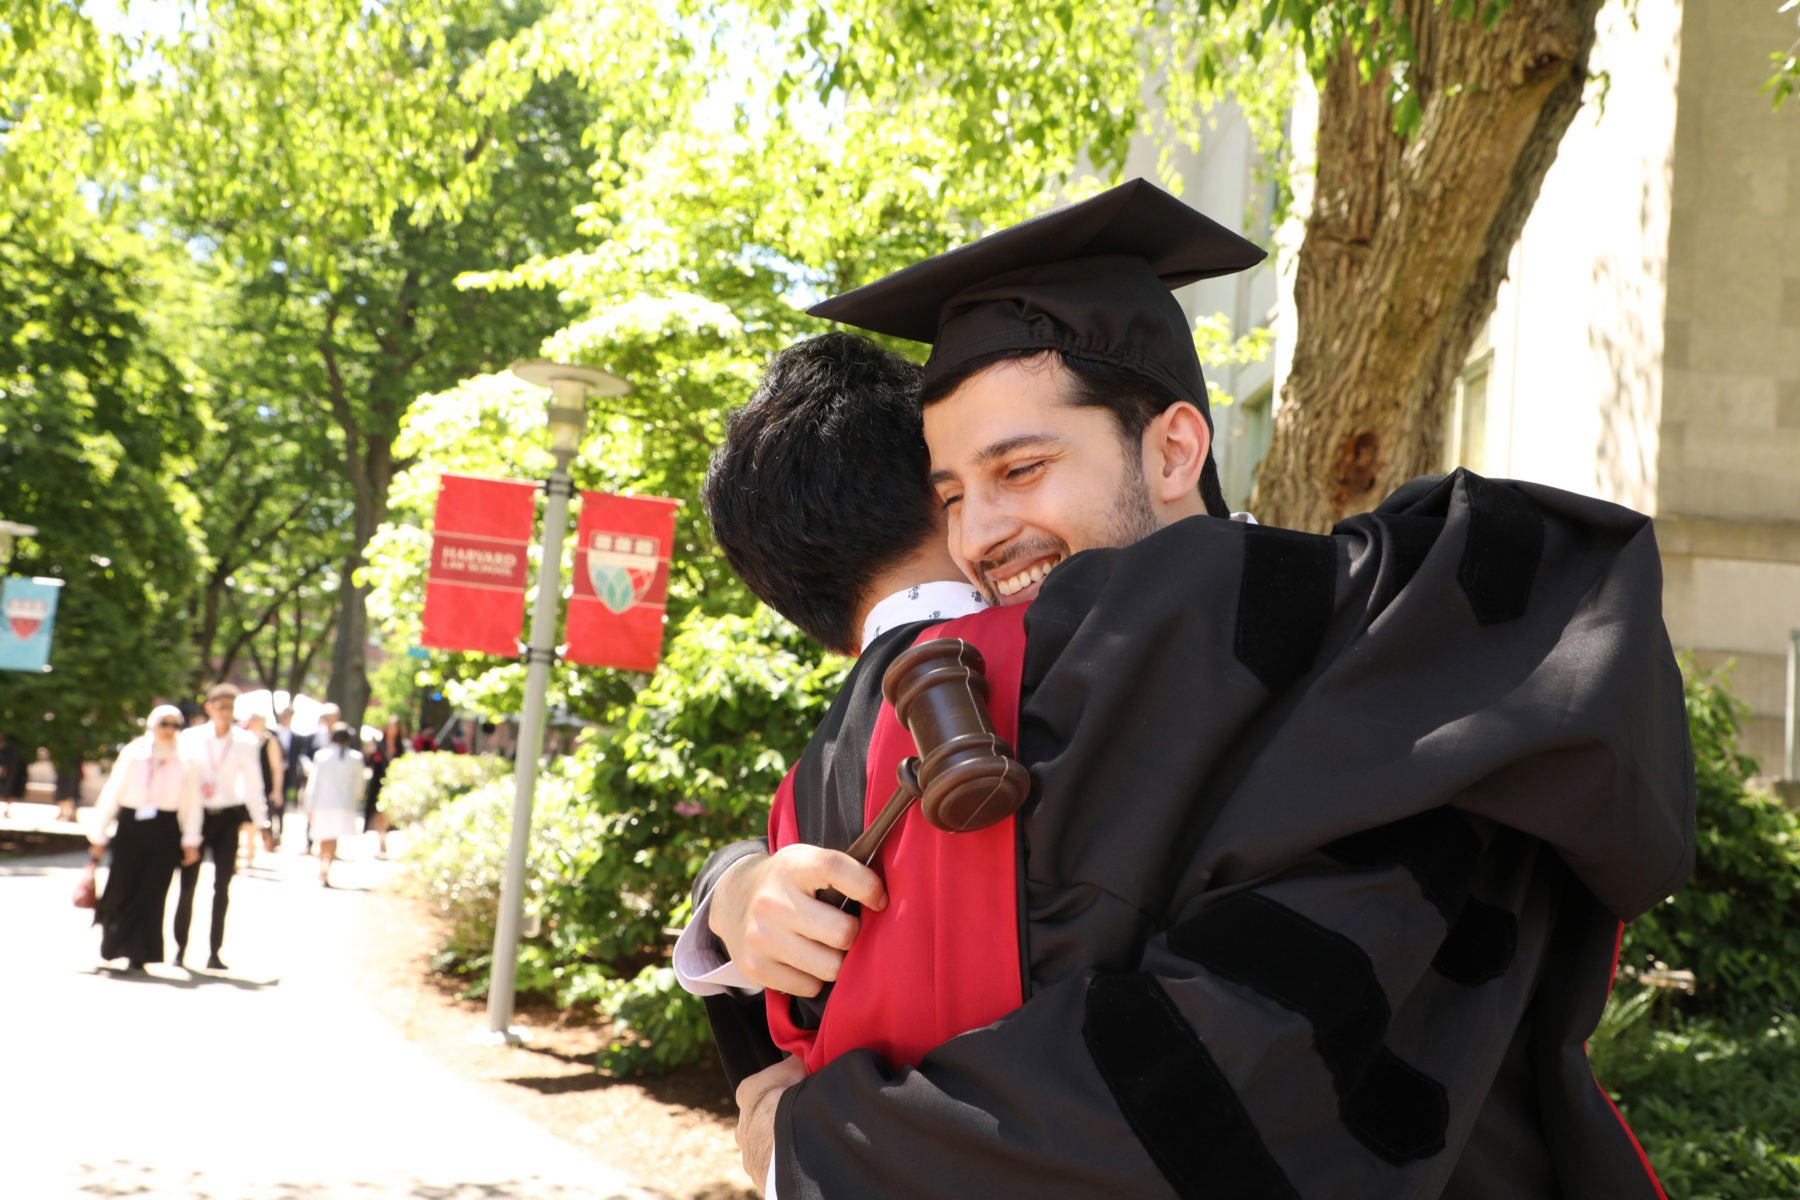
[(95, 427), (459, 858), (1716, 1105), (657, 1025), (623, 824), (1622, 1041), (692, 762), (1785, 81), (1736, 924), (418, 784)]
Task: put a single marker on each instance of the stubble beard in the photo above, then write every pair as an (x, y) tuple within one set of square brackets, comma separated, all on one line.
[(1129, 518)]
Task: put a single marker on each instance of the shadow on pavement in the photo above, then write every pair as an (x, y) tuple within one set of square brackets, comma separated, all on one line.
[(193, 979)]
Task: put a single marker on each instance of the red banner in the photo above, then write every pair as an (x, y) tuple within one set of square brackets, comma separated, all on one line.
[(475, 590), (622, 553)]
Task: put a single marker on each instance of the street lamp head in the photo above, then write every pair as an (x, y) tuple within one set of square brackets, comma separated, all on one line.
[(570, 386), (567, 421)]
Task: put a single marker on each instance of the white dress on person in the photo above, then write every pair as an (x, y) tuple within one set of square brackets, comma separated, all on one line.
[(333, 793)]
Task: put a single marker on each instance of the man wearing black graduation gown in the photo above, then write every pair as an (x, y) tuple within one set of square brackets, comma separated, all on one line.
[(1330, 836)]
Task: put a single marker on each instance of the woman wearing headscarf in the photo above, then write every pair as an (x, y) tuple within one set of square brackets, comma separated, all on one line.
[(154, 796), (331, 796)]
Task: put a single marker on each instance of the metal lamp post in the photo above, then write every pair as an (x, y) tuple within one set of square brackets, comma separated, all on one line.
[(570, 386)]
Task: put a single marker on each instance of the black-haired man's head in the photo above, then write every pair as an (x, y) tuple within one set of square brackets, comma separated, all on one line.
[(818, 490)]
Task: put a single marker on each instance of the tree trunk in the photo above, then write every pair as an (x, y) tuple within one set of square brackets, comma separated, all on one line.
[(1407, 243), (349, 687)]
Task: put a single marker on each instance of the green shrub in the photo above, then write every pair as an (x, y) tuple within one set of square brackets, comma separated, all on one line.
[(458, 856), (622, 825), (691, 764), (418, 784), (657, 1025), (1716, 1106), (1736, 925)]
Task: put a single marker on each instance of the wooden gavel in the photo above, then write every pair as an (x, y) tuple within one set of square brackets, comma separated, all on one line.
[(965, 775)]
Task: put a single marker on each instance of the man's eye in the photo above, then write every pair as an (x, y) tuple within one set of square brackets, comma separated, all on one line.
[(947, 501), (1026, 471)]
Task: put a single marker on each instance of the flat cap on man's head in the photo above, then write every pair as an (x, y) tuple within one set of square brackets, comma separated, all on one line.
[(1091, 280)]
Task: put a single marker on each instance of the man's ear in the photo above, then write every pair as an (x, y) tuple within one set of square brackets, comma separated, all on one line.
[(1175, 446)]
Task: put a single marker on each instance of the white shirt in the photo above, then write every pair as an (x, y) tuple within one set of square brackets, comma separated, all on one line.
[(141, 782), (701, 965), (940, 600), (230, 773)]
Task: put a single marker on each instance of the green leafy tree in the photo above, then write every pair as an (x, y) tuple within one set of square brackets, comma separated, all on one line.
[(95, 426), (342, 261), (273, 519)]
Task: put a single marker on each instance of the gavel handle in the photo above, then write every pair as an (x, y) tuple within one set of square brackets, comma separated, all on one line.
[(868, 843)]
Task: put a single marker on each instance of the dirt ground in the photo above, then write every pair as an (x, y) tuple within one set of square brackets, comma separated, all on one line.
[(674, 1134)]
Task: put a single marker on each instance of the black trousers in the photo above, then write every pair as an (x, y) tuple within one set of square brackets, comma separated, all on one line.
[(219, 838), (130, 912)]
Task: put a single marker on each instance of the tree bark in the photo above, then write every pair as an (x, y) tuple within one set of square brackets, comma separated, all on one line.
[(1407, 243), (369, 465)]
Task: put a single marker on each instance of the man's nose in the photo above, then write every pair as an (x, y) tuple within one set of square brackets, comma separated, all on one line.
[(987, 528)]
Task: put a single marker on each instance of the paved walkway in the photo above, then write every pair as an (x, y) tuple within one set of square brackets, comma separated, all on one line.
[(274, 1080)]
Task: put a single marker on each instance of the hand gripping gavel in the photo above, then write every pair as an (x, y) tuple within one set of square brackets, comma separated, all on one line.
[(964, 775)]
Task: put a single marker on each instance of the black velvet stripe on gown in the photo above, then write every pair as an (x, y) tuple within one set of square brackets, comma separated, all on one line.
[(145, 855)]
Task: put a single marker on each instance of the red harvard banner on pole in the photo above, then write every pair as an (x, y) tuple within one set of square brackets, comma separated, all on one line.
[(621, 580), (475, 591)]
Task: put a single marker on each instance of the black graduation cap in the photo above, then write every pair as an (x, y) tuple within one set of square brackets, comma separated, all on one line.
[(1091, 280)]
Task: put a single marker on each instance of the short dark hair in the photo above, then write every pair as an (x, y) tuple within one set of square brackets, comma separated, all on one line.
[(1133, 399), (819, 485)]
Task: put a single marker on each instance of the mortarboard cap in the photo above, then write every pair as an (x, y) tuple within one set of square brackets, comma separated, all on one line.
[(1091, 280)]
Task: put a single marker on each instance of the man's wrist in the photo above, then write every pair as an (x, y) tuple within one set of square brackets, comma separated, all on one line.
[(724, 899)]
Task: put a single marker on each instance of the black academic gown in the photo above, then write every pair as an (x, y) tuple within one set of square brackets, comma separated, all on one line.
[(1323, 872)]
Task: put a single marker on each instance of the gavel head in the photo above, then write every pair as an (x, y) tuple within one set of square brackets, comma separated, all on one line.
[(968, 777)]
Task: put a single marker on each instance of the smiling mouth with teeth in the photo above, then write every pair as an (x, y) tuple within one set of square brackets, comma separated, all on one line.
[(1014, 584)]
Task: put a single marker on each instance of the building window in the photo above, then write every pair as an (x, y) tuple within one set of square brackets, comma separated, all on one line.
[(1243, 436), (1465, 423)]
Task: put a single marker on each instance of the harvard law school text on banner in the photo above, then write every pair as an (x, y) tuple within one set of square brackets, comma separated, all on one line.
[(475, 590), (621, 580), (27, 618)]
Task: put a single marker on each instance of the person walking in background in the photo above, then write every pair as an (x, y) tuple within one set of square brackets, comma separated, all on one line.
[(330, 796), (154, 795), (231, 791), (10, 766), (310, 746), (383, 751), (68, 787), (291, 778), (273, 767)]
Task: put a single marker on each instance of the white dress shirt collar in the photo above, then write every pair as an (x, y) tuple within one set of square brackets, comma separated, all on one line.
[(937, 601)]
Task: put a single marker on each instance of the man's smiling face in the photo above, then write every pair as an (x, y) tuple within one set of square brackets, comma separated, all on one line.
[(1027, 478)]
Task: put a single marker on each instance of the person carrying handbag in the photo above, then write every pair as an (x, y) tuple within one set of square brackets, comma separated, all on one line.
[(153, 798)]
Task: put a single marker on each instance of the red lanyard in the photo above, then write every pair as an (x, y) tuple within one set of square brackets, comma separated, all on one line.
[(213, 760)]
